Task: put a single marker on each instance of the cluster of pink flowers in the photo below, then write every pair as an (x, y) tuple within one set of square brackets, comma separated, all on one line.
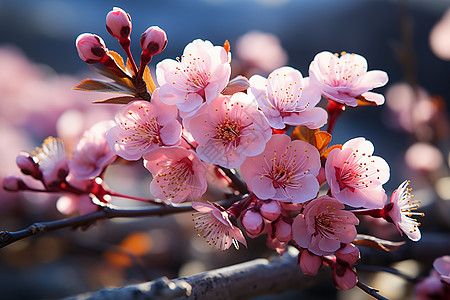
[(191, 125)]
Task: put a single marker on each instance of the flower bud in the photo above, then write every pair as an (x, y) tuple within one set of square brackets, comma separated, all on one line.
[(27, 165), (91, 48), (348, 255), (283, 230), (344, 277), (13, 184), (309, 263), (252, 222), (153, 41), (270, 210), (118, 23)]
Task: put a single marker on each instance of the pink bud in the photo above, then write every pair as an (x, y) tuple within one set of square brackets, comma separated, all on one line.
[(118, 23), (270, 209), (91, 48), (344, 277), (27, 165), (153, 41), (309, 263), (252, 222), (283, 230), (13, 184), (349, 255)]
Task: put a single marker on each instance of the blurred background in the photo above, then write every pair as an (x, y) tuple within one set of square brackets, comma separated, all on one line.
[(39, 65)]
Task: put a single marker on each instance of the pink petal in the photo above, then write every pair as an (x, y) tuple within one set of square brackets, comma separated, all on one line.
[(262, 187), (171, 133), (373, 97), (300, 233)]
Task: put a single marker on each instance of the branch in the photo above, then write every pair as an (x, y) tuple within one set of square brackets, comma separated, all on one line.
[(370, 290), (241, 281), (9, 237)]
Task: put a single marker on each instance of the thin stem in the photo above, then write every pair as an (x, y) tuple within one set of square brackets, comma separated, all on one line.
[(130, 57), (145, 200), (238, 184), (387, 270), (370, 291)]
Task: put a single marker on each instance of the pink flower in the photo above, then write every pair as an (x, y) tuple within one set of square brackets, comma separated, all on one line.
[(400, 209), (344, 79), (431, 288), (252, 222), (153, 41), (344, 277), (213, 223), (309, 263), (92, 153), (442, 266), (228, 130), (91, 48), (348, 255), (202, 73), (143, 126), (355, 176), (270, 209), (118, 23), (178, 174), (52, 160), (286, 97), (285, 171), (324, 225)]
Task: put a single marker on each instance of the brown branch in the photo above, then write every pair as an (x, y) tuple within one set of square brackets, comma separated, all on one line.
[(370, 290)]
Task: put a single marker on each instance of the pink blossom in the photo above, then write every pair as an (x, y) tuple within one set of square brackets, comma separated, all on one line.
[(324, 225), (400, 209), (213, 223), (431, 288), (52, 160), (252, 222), (270, 209), (309, 263), (118, 23), (282, 230), (228, 130), (178, 174), (344, 277), (92, 153), (286, 97), (442, 266), (344, 79), (143, 126), (348, 255), (202, 73), (355, 176), (285, 171), (13, 183)]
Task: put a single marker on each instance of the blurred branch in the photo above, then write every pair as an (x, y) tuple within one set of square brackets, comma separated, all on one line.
[(261, 276), (84, 221)]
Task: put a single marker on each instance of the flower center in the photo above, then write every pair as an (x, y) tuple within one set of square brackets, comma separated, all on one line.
[(175, 177), (228, 130)]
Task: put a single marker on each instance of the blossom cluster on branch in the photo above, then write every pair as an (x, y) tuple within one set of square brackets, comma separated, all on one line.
[(259, 135)]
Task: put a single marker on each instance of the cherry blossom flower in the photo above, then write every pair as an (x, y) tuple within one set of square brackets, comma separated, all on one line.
[(153, 41), (400, 209), (178, 174), (324, 225), (213, 223), (52, 160), (91, 48), (286, 97), (252, 221), (118, 23), (344, 79), (92, 153), (143, 126), (202, 73), (355, 176), (228, 130), (286, 171), (309, 263), (442, 266)]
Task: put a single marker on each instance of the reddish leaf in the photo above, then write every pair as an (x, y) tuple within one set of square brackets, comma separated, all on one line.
[(115, 72), (363, 102), (130, 67), (373, 242), (226, 46), (322, 139), (118, 59), (147, 77), (305, 134), (118, 100), (93, 85), (237, 84), (324, 154)]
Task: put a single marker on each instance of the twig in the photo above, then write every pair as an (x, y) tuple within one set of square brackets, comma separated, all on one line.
[(370, 290), (240, 186), (385, 269), (9, 237)]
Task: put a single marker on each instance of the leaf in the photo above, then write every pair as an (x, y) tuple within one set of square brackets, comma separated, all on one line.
[(226, 46), (148, 80), (303, 133), (237, 84), (130, 67), (118, 100), (376, 243), (324, 154), (118, 59), (322, 139), (363, 102), (94, 85)]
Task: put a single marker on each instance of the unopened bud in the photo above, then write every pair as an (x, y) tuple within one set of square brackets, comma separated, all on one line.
[(13, 184), (270, 210), (348, 255), (153, 41), (252, 222), (309, 263), (118, 23), (27, 165), (91, 48), (283, 231)]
